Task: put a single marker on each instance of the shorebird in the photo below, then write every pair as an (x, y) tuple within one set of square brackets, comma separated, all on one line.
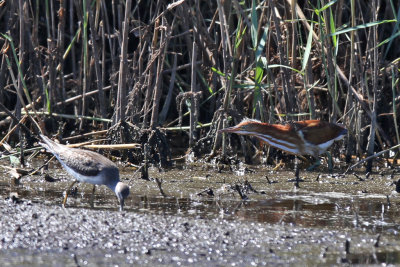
[(89, 167), (309, 137)]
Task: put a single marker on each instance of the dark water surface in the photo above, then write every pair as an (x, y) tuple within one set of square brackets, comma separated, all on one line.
[(276, 224)]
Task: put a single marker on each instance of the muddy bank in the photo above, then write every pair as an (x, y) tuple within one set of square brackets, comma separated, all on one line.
[(276, 225), (37, 234)]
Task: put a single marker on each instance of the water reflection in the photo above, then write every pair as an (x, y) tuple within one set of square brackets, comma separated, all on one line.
[(387, 257), (316, 207), (332, 213)]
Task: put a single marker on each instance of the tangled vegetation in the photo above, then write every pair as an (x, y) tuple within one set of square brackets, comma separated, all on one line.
[(172, 73)]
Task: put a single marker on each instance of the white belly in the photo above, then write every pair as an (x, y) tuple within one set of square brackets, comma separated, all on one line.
[(98, 179)]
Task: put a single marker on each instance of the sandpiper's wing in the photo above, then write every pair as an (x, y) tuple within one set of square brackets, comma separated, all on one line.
[(82, 161), (85, 162)]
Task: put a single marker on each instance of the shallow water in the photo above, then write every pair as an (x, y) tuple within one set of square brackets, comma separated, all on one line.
[(358, 211)]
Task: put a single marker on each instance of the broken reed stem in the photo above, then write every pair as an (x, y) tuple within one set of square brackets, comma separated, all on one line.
[(193, 98), (185, 128), (123, 66), (20, 123), (67, 116), (13, 118), (164, 38), (102, 132), (78, 97), (151, 68), (99, 78), (168, 99), (224, 125), (89, 144), (374, 63), (394, 104), (85, 66), (114, 146)]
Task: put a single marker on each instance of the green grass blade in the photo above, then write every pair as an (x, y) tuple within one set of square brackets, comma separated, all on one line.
[(393, 36), (24, 87), (261, 44), (308, 48), (363, 26), (254, 24), (333, 29)]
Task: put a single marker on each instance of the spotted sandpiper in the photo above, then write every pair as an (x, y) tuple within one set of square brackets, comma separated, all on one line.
[(87, 166)]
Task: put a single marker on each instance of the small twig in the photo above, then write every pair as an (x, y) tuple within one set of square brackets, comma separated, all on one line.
[(249, 187), (114, 146), (17, 122), (209, 192), (370, 157), (41, 167), (78, 97), (238, 188), (80, 136), (358, 177), (269, 181)]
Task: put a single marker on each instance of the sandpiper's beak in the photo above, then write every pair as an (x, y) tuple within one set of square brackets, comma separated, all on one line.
[(122, 192)]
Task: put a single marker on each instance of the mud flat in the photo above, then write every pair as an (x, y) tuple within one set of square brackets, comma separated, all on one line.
[(39, 235), (334, 220)]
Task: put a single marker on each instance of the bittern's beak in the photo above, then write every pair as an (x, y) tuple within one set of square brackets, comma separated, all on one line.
[(233, 129)]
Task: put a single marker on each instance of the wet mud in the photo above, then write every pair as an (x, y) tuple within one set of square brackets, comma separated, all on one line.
[(202, 220)]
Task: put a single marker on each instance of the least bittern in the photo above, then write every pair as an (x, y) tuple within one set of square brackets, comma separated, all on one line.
[(310, 137)]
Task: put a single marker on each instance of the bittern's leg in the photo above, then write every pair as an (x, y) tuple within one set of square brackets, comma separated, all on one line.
[(92, 198), (330, 161), (297, 171), (297, 179), (67, 192), (316, 164)]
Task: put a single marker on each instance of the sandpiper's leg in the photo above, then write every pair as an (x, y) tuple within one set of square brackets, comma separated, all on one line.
[(92, 197), (316, 164), (277, 166), (67, 192)]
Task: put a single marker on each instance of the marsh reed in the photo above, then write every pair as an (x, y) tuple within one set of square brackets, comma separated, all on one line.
[(80, 66)]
